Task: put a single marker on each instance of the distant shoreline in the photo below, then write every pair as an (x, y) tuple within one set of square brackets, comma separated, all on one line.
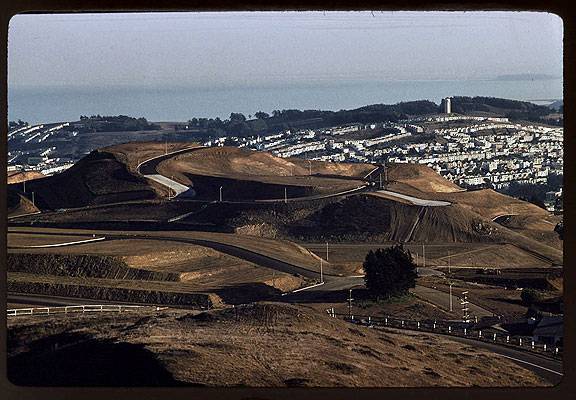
[(43, 104)]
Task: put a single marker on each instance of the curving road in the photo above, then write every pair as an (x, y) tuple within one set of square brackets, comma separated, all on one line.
[(414, 200)]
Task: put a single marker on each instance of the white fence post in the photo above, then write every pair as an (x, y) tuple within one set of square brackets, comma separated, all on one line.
[(464, 331), (480, 333), (507, 339), (449, 329), (494, 337)]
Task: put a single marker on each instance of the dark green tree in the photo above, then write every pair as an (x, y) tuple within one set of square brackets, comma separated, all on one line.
[(389, 272), (530, 297)]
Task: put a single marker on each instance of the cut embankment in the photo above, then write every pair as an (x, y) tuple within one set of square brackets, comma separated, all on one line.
[(119, 294), (83, 266)]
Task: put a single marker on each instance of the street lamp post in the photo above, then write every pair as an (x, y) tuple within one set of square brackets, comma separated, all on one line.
[(220, 194)]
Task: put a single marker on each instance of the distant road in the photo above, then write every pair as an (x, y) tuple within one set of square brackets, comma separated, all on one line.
[(414, 200)]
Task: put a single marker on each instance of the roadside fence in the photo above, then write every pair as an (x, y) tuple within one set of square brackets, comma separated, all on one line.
[(468, 330), (79, 309)]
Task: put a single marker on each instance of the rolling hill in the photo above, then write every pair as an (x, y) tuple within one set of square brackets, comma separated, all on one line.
[(258, 345)]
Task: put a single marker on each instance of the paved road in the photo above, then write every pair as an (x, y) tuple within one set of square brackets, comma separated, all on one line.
[(414, 200), (148, 170), (177, 187)]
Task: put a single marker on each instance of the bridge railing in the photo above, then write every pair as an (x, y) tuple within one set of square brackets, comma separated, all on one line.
[(78, 309)]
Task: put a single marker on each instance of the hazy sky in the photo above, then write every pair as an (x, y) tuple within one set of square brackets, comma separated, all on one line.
[(207, 49)]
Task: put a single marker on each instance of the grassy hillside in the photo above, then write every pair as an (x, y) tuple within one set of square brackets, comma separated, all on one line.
[(263, 345)]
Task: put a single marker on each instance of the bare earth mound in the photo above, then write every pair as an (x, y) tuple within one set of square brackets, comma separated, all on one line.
[(421, 177), (264, 344), (21, 176), (98, 178)]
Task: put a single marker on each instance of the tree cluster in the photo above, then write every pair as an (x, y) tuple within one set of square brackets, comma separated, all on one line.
[(389, 272), (119, 123)]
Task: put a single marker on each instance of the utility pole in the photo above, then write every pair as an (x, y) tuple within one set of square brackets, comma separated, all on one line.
[(321, 274), (380, 180), (24, 182), (423, 256), (449, 255), (166, 146), (309, 168), (220, 194), (350, 305), (450, 285), (285, 196), (33, 203), (326, 251)]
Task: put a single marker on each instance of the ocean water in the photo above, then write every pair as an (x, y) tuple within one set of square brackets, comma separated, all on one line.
[(43, 105)]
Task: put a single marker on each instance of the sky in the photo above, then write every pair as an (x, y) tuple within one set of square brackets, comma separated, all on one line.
[(278, 48)]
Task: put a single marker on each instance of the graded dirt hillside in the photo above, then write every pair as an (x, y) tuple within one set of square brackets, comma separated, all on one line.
[(21, 176), (421, 177), (263, 344), (237, 163), (100, 177), (133, 153), (245, 174), (524, 217), (148, 266)]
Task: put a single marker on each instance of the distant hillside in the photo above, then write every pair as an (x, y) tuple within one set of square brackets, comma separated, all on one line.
[(513, 109)]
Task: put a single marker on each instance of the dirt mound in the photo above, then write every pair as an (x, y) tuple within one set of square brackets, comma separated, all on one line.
[(21, 176), (98, 178), (133, 153), (237, 162), (266, 345), (17, 204), (421, 177)]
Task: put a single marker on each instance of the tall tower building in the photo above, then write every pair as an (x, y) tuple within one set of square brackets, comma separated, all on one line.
[(447, 103)]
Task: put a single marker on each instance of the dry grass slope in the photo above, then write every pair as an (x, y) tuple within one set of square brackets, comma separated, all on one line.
[(261, 345)]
